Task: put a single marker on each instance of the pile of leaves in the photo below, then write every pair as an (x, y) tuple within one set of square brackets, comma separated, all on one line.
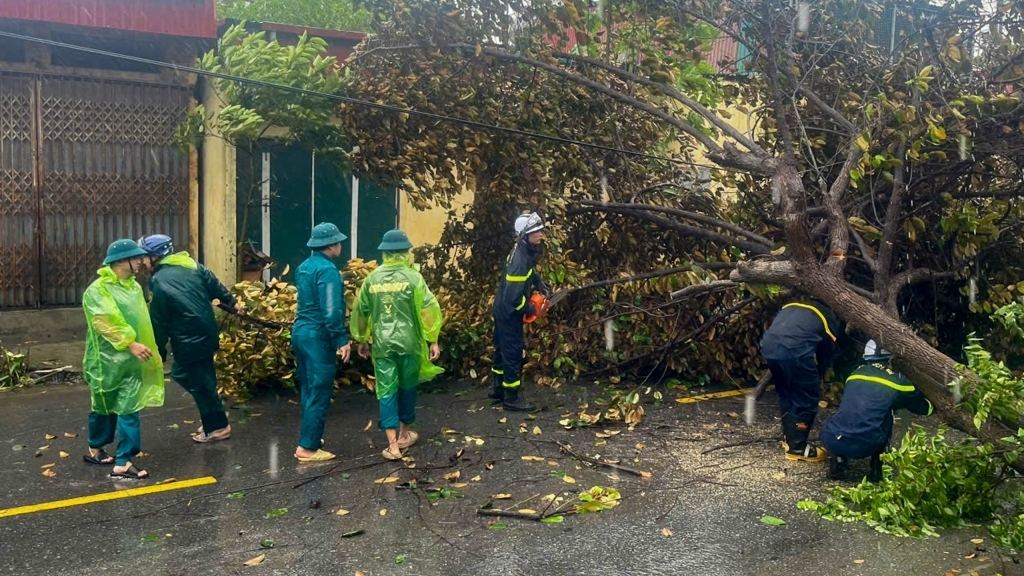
[(253, 355), (12, 368)]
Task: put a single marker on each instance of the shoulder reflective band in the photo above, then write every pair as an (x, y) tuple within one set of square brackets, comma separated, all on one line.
[(521, 304), (884, 382), (816, 311), (523, 278)]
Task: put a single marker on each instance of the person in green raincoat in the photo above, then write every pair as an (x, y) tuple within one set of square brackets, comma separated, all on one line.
[(396, 311), (123, 373), (319, 337)]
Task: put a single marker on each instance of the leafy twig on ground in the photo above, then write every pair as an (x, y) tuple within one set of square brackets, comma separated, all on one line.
[(595, 461)]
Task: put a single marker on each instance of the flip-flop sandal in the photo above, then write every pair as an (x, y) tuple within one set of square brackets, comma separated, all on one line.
[(98, 459), (413, 437), (319, 456), (204, 438), (132, 473), (389, 455)]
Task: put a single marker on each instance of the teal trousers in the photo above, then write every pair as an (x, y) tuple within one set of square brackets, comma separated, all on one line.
[(129, 431)]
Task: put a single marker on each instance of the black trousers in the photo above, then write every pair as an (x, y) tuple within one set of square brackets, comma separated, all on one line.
[(508, 349), (199, 378), (858, 446), (799, 387)]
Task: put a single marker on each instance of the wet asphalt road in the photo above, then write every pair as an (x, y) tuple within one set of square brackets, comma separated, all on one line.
[(711, 504)]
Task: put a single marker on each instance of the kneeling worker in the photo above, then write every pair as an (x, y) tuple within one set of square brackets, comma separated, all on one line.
[(863, 425)]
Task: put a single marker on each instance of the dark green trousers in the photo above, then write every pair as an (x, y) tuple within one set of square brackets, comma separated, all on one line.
[(129, 431), (199, 378)]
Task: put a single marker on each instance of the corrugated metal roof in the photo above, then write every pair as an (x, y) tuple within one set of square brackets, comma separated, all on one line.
[(189, 18)]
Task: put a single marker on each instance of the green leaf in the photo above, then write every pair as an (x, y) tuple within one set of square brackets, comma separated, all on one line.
[(553, 519), (352, 533), (236, 495), (400, 559), (150, 537), (772, 521), (497, 526), (276, 513), (266, 543)]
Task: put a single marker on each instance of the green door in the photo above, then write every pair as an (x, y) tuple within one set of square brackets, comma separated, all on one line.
[(284, 190)]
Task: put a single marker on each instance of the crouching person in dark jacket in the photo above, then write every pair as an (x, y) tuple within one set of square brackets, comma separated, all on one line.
[(182, 313), (863, 425)]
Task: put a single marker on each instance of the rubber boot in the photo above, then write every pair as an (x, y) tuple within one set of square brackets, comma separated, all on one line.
[(875, 472), (497, 390), (796, 445), (513, 402), (836, 467)]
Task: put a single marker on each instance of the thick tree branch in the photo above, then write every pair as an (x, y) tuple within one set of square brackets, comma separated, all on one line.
[(883, 270), (715, 286), (703, 219), (654, 274), (776, 89), (839, 235)]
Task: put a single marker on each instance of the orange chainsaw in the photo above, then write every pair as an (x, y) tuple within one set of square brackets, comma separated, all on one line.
[(540, 307)]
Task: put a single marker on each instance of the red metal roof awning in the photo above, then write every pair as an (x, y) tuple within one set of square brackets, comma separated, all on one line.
[(188, 18)]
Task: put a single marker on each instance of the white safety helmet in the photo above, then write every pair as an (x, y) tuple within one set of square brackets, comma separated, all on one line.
[(527, 223), (871, 350)]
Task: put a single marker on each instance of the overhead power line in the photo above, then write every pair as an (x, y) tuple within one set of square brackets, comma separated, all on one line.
[(349, 100)]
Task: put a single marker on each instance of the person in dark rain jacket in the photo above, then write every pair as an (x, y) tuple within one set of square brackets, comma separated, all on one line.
[(863, 425), (182, 313), (518, 281), (319, 336), (798, 347)]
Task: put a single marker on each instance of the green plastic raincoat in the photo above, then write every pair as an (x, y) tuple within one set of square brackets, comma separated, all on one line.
[(399, 311), (116, 314)]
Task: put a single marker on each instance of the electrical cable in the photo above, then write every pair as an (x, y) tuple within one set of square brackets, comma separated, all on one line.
[(349, 100)]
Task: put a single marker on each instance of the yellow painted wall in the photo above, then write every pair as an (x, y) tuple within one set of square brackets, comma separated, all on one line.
[(426, 226), (219, 244)]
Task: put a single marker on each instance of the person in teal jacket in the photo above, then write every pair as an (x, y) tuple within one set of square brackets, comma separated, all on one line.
[(318, 336), (182, 312), (397, 310), (123, 374)]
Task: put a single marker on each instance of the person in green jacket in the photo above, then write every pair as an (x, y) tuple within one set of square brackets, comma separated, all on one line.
[(182, 313), (123, 374), (319, 337), (397, 312)]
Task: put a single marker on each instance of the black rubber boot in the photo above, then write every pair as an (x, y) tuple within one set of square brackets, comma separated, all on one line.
[(514, 403), (836, 467), (497, 390), (796, 445), (875, 472)]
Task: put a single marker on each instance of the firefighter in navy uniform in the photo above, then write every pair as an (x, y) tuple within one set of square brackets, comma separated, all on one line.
[(512, 302), (863, 425), (798, 347)]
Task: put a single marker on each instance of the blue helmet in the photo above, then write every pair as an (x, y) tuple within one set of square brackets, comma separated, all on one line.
[(157, 245)]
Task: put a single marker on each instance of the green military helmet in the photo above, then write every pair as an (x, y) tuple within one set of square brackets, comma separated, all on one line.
[(395, 241), (123, 249), (324, 235)]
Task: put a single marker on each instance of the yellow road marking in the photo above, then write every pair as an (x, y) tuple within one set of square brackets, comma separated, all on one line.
[(702, 397), (108, 496)]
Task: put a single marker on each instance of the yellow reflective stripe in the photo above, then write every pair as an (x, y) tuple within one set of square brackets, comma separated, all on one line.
[(816, 311), (521, 304), (497, 371), (511, 384), (523, 278), (883, 381)]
